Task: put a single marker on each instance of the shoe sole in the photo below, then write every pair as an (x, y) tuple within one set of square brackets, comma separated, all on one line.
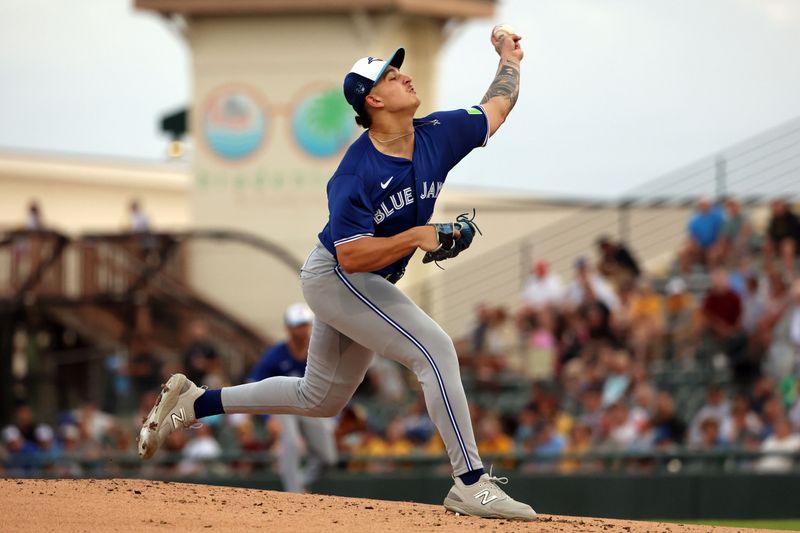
[(167, 399), (453, 506)]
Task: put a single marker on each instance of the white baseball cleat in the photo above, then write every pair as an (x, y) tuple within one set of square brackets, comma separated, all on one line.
[(485, 499), (173, 409)]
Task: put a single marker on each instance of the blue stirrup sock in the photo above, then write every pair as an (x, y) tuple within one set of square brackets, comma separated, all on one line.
[(471, 477), (209, 404)]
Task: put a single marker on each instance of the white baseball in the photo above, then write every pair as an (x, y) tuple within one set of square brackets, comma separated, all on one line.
[(502, 29)]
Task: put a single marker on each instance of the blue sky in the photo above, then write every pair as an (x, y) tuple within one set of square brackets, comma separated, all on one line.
[(615, 92)]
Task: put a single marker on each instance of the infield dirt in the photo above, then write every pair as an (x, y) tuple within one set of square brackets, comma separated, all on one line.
[(140, 505)]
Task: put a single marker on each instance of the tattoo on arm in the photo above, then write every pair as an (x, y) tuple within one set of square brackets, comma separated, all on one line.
[(506, 83)]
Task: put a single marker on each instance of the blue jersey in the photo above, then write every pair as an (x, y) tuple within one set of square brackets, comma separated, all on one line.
[(277, 361), (374, 194)]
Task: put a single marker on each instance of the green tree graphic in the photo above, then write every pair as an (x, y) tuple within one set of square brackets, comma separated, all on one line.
[(327, 112)]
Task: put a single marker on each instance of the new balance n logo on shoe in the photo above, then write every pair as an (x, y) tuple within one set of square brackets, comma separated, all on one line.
[(178, 419), (485, 496)]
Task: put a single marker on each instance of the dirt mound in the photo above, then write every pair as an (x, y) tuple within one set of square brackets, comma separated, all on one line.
[(140, 505)]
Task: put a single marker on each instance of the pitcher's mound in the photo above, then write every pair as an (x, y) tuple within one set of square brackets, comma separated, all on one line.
[(67, 505)]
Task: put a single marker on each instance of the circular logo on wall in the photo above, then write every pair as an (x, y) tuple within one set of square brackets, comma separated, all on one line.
[(234, 124), (323, 123)]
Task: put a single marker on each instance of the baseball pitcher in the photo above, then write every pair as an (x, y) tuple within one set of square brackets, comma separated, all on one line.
[(380, 202)]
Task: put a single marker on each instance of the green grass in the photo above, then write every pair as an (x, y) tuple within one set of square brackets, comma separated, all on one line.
[(785, 525)]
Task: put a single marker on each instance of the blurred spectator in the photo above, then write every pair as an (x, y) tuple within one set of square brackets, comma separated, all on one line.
[(703, 232), (616, 261), (589, 287), (173, 446), (33, 221), (139, 223), (667, 428), (591, 408), (88, 449), (484, 314), (199, 352), (387, 380), (146, 246), (71, 444), (201, 448), (46, 441), (540, 345), (783, 355), (491, 438), (776, 301), (352, 427), (144, 366), (646, 326), (397, 443), (28, 251), (644, 402), (598, 321), (543, 290), (97, 423), (618, 379), (216, 376), (25, 421), (548, 441), (393, 444), (578, 444), (761, 392), (417, 424), (316, 435), (753, 301), (736, 238), (619, 432), (680, 312), (247, 436), (782, 441), (527, 421), (771, 413), (709, 437), (494, 342), (783, 235), (21, 452), (721, 317), (716, 407), (742, 426)]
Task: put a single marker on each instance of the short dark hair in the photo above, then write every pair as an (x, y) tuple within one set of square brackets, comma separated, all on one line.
[(363, 119)]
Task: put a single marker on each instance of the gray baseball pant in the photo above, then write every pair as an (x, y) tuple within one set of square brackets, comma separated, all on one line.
[(358, 315), (317, 434)]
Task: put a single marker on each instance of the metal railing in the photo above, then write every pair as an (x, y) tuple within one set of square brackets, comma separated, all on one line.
[(669, 461)]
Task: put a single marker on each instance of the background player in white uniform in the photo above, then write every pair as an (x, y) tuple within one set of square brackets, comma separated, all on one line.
[(380, 201), (288, 358)]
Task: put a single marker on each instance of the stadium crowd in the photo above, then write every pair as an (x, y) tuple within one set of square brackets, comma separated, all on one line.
[(598, 364)]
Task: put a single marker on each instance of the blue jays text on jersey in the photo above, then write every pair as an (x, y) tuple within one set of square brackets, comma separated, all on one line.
[(374, 194)]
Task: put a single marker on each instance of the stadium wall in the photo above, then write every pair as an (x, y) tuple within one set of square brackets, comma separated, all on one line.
[(643, 497)]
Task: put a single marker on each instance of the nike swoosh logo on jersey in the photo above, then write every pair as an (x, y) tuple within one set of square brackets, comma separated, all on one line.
[(385, 184)]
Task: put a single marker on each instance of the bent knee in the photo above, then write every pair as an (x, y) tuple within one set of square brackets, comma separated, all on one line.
[(326, 408), (325, 411)]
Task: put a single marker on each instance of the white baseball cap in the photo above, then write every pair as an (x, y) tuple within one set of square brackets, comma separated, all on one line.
[(11, 434), (44, 433), (675, 286), (365, 74), (297, 315)]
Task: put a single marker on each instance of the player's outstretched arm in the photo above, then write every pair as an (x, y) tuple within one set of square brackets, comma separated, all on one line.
[(369, 254), (499, 100)]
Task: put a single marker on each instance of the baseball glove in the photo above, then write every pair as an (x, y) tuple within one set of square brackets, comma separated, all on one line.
[(449, 245)]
